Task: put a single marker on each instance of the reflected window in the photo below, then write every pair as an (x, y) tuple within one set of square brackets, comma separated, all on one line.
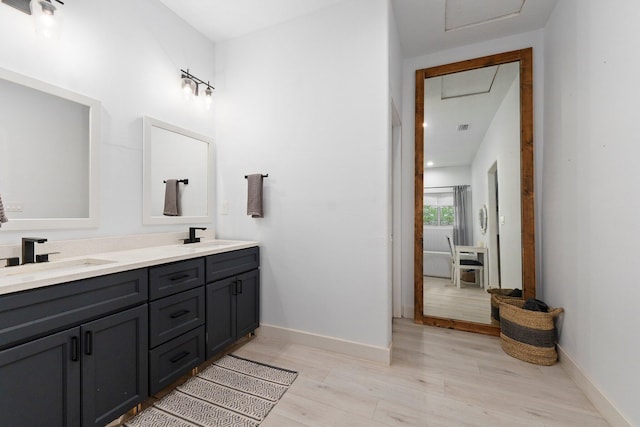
[(437, 209)]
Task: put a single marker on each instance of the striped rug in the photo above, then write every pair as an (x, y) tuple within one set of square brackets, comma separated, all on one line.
[(232, 392)]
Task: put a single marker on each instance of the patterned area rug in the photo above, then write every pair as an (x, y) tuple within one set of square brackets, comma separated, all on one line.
[(232, 392)]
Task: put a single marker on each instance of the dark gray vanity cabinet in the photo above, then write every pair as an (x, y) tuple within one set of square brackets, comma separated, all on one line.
[(233, 297), (176, 321), (74, 354), (82, 353)]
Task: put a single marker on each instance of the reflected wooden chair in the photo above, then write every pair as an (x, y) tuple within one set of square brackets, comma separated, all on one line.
[(458, 264)]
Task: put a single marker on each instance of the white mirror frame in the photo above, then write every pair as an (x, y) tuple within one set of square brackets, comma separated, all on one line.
[(482, 218), (147, 216), (93, 220)]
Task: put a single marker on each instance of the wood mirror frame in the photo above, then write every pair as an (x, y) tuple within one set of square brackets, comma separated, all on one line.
[(525, 57)]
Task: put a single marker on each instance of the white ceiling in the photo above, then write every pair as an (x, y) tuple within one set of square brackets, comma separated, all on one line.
[(421, 23)]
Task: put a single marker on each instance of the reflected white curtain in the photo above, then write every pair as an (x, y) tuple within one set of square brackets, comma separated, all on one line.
[(461, 222)]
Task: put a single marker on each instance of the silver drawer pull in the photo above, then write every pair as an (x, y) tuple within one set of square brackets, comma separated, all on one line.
[(180, 277)]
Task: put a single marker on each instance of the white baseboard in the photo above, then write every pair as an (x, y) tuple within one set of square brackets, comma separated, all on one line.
[(584, 383), (349, 348), (407, 311)]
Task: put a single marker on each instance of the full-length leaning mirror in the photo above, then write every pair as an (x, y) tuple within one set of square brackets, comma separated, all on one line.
[(49, 143), (474, 221), (178, 177)]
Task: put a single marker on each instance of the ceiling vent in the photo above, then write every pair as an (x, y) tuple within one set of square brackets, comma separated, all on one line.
[(463, 127)]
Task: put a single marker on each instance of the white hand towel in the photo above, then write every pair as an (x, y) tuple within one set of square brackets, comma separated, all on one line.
[(3, 217), (254, 195), (171, 203)]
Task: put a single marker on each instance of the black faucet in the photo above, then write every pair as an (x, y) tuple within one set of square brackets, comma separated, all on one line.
[(29, 249), (192, 235)]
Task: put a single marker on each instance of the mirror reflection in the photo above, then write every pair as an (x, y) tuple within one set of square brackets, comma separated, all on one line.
[(471, 204), (178, 183), (48, 155)]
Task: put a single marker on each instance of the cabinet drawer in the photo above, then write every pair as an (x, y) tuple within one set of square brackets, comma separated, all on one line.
[(174, 315), (229, 264), (172, 360), (38, 312), (172, 278)]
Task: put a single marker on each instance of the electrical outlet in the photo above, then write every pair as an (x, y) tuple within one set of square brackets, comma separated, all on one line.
[(13, 207)]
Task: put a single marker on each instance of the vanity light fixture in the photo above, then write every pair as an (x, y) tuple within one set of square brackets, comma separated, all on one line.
[(191, 84)]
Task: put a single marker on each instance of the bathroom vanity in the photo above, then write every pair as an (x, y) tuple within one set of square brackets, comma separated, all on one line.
[(82, 343)]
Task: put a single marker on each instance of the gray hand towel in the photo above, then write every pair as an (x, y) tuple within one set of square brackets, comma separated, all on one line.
[(171, 204), (3, 217), (254, 195)]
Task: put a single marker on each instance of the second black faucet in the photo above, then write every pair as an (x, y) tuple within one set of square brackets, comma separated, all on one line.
[(192, 235), (29, 249)]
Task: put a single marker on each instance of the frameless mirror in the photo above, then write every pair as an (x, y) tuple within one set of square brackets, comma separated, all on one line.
[(49, 148), (474, 150), (178, 165)]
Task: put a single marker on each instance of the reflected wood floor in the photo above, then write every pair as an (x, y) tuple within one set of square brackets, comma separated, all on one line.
[(443, 299), (438, 377)]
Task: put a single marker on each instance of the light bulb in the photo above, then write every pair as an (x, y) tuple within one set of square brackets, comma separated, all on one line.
[(208, 97), (47, 18), (189, 87)]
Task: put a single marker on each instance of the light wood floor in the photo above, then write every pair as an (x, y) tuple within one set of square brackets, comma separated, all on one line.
[(443, 299), (438, 377)]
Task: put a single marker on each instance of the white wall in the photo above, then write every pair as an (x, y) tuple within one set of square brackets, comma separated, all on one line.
[(530, 39), (501, 145), (447, 176), (127, 55), (590, 181), (308, 103)]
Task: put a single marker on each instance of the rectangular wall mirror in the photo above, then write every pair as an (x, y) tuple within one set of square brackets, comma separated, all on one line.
[(475, 228), (49, 155), (174, 153)]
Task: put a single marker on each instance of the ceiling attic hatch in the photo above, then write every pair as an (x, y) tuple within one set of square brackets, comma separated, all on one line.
[(464, 13), (466, 83)]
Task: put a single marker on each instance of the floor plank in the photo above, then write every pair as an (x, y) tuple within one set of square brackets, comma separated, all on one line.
[(443, 299)]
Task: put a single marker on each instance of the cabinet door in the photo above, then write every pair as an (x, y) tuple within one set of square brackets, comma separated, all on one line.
[(40, 382), (114, 365), (247, 302), (221, 315)]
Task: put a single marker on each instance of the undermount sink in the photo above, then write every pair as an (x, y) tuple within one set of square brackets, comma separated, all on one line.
[(205, 245), (57, 266)]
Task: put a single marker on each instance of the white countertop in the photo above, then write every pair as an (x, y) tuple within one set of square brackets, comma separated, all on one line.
[(31, 276)]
